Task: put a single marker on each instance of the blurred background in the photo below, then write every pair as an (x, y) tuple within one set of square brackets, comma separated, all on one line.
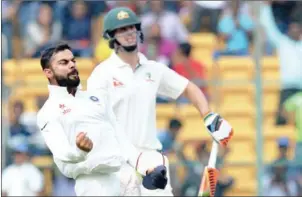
[(246, 56)]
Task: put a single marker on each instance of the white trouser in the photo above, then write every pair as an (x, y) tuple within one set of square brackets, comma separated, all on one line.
[(129, 182), (121, 183), (145, 192), (97, 185)]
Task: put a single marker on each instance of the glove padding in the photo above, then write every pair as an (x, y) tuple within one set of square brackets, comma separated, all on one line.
[(157, 179), (219, 128)]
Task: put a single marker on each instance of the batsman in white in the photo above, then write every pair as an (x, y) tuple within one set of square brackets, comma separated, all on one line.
[(136, 81), (80, 128)]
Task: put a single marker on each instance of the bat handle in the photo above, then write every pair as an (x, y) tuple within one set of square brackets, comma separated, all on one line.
[(213, 155)]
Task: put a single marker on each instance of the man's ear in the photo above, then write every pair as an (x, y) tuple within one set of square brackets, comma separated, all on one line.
[(48, 73)]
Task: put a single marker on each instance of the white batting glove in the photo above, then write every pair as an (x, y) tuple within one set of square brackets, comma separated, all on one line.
[(220, 129)]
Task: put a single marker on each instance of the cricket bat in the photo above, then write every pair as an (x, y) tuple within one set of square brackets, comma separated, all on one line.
[(210, 174)]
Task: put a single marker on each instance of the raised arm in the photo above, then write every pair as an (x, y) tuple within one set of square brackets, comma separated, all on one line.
[(269, 24)]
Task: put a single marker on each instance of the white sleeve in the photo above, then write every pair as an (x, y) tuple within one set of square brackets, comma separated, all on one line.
[(56, 140), (171, 83), (36, 178)]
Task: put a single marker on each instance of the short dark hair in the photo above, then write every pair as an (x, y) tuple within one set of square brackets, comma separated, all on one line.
[(175, 124), (19, 103), (48, 53), (185, 49)]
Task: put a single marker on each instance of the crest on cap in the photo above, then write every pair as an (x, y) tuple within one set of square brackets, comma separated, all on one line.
[(122, 15)]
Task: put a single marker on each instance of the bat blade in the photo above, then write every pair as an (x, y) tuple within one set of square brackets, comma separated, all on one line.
[(210, 174), (209, 182)]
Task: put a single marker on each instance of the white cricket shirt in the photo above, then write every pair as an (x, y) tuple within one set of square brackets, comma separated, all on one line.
[(134, 95), (63, 116), (22, 180)]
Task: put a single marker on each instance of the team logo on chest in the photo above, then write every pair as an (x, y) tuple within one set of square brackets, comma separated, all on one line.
[(117, 83), (64, 109), (94, 98), (149, 77)]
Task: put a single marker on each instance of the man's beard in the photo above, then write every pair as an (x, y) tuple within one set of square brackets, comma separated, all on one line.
[(67, 82)]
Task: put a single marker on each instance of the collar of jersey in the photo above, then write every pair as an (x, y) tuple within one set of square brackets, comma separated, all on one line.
[(120, 63), (58, 91)]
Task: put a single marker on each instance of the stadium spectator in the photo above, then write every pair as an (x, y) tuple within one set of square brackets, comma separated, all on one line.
[(27, 13), (278, 180), (42, 32), (18, 131), (191, 183), (172, 6), (157, 48), (282, 13), (9, 11), (168, 137), (96, 12), (195, 169), (289, 49), (186, 66), (22, 178), (77, 28), (170, 147), (283, 147), (235, 29), (132, 4), (278, 183), (293, 112), (57, 7), (225, 182), (29, 119), (185, 13), (210, 9), (170, 23), (297, 14)]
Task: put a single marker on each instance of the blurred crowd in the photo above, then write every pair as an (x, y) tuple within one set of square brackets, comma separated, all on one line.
[(28, 27)]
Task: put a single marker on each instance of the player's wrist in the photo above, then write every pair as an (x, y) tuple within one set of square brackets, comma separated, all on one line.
[(208, 115), (81, 152)]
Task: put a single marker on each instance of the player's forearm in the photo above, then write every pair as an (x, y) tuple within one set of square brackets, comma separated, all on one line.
[(58, 144), (197, 98)]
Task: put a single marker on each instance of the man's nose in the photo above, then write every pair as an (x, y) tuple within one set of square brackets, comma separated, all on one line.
[(72, 65)]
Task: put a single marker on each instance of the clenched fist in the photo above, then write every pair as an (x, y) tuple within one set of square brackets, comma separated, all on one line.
[(83, 142)]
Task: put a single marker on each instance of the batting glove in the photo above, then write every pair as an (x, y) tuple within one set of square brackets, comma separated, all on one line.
[(220, 129)]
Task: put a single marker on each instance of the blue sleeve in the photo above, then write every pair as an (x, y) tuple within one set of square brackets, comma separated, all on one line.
[(268, 21), (161, 136), (225, 25)]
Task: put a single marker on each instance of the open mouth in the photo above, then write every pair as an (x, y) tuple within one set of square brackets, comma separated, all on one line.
[(74, 75)]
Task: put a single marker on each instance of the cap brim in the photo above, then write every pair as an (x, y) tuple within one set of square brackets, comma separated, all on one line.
[(121, 26)]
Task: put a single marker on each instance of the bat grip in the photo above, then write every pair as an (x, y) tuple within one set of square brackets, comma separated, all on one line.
[(213, 155)]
